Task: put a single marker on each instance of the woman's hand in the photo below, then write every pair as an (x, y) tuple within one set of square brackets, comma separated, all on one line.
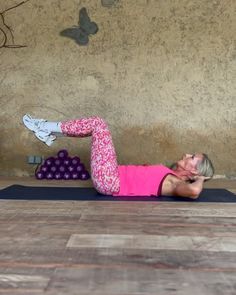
[(201, 177)]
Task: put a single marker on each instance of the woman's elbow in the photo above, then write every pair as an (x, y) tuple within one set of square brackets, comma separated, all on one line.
[(195, 193), (194, 197)]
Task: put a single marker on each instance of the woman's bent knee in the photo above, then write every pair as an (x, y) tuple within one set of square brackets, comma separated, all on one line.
[(100, 121)]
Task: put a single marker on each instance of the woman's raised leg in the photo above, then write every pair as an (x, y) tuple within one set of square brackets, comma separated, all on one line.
[(104, 166)]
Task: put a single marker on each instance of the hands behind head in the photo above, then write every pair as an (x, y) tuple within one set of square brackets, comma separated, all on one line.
[(200, 177)]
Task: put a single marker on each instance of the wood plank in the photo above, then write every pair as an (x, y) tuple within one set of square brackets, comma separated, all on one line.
[(16, 281), (40, 207), (160, 219), (61, 226), (211, 211), (29, 242), (152, 224), (10, 207), (69, 204), (197, 243), (122, 280), (42, 261)]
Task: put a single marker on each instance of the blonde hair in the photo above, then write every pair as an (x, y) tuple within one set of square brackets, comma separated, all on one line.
[(205, 167)]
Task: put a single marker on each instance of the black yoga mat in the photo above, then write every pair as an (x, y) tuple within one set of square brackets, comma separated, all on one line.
[(20, 192)]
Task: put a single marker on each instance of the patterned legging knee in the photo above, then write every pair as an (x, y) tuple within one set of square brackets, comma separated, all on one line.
[(104, 166)]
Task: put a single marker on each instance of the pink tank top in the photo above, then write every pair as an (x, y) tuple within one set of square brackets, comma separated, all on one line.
[(142, 180)]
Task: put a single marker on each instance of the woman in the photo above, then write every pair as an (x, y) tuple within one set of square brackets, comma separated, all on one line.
[(185, 179)]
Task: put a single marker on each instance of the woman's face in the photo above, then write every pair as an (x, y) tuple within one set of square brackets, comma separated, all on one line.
[(189, 162)]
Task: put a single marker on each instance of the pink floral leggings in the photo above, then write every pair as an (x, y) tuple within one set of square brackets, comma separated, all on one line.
[(104, 166)]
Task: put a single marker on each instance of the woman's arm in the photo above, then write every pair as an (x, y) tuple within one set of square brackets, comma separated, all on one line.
[(191, 190)]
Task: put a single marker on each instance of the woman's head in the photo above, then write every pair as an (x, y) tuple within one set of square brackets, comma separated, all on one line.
[(192, 165), (205, 167)]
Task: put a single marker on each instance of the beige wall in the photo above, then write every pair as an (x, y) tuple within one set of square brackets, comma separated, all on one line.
[(162, 73)]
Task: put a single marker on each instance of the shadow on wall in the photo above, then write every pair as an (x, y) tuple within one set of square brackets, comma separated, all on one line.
[(80, 34)]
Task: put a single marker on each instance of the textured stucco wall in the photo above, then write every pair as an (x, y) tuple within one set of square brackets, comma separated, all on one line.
[(162, 73)]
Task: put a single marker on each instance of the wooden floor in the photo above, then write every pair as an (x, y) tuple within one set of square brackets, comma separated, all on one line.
[(111, 248)]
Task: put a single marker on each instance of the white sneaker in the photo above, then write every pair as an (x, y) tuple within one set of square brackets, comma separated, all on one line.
[(45, 137), (35, 125), (32, 124)]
